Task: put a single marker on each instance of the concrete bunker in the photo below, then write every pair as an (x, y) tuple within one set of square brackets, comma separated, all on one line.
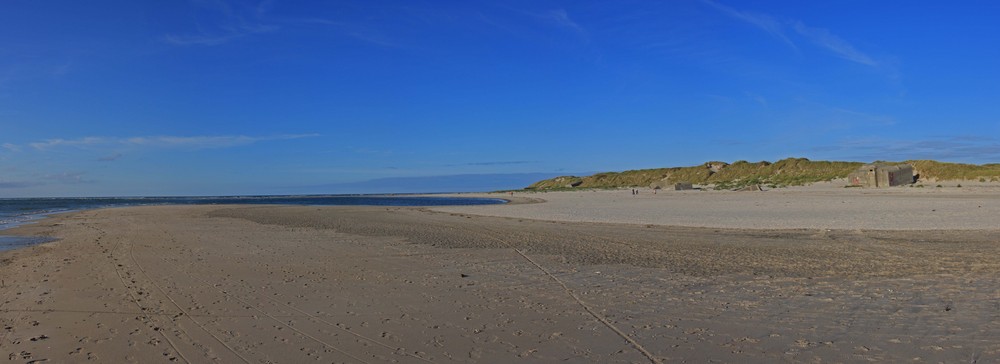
[(879, 175)]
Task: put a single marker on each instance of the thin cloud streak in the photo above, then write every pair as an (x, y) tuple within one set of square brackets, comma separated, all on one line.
[(818, 36), (761, 21), (110, 158), (13, 185), (963, 148), (82, 142), (823, 38), (68, 178), (497, 163), (227, 35), (11, 147), (193, 142), (845, 118), (560, 18), (355, 31), (234, 25)]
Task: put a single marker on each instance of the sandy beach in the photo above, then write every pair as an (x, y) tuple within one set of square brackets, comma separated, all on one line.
[(820, 274), (819, 206)]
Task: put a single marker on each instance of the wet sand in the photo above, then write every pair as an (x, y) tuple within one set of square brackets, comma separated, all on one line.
[(374, 284)]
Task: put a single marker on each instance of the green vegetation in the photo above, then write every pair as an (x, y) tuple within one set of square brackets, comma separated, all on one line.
[(955, 171), (786, 172)]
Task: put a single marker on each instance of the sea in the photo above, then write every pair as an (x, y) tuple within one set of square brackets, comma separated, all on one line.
[(18, 211)]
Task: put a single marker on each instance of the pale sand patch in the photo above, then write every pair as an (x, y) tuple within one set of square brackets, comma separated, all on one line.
[(365, 284), (821, 206)]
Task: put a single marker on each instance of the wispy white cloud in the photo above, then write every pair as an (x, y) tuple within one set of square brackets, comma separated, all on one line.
[(492, 163), (372, 38), (353, 30), (110, 157), (224, 35), (823, 38), (560, 18), (41, 180), (529, 23), (839, 117), (263, 7), (233, 23), (761, 100), (200, 39), (868, 118), (966, 149), (762, 21), (17, 184), (62, 69), (52, 143), (11, 147), (68, 177), (187, 142), (370, 151), (194, 141), (203, 142)]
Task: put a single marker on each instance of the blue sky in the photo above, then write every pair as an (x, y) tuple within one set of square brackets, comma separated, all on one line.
[(268, 97)]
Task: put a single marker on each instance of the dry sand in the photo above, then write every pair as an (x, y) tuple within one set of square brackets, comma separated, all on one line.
[(374, 284), (821, 206)]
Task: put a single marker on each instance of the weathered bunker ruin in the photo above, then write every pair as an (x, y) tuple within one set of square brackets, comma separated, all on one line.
[(881, 175)]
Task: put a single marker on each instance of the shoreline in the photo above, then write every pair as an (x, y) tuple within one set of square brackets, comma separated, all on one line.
[(12, 222), (21, 235), (821, 206)]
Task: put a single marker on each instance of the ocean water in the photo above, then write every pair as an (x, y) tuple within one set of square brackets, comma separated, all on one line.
[(17, 211)]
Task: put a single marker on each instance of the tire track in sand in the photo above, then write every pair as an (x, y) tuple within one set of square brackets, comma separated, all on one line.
[(182, 310), (263, 312), (493, 235), (315, 319), (135, 301)]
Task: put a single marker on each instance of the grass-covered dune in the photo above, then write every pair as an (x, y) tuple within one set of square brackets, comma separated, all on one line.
[(786, 172), (941, 171)]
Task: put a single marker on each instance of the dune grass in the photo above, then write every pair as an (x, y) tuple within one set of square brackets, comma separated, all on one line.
[(786, 172)]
